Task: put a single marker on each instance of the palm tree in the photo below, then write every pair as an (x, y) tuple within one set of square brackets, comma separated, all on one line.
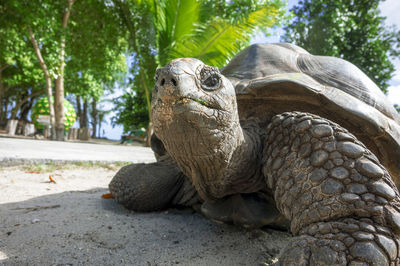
[(210, 30)]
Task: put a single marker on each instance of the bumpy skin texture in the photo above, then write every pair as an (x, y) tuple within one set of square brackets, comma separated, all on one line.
[(342, 203), (151, 187)]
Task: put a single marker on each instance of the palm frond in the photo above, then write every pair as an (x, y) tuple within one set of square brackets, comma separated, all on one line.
[(218, 40), (176, 19)]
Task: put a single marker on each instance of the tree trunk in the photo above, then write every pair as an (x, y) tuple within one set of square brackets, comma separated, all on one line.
[(94, 118), (84, 123), (99, 130), (101, 119), (59, 99), (59, 107), (48, 82), (82, 112), (1, 107), (14, 112), (79, 107), (2, 91), (2, 112), (6, 102), (148, 101), (149, 133), (18, 103), (23, 101), (25, 108)]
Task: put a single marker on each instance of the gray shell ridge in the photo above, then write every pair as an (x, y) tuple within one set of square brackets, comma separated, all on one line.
[(274, 78)]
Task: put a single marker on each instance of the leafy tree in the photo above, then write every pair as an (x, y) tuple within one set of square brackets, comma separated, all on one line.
[(19, 70), (349, 29), (131, 106), (162, 30), (45, 24), (96, 50), (82, 35), (95, 66)]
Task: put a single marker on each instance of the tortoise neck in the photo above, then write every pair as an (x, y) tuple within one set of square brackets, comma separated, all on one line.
[(227, 164), (243, 173)]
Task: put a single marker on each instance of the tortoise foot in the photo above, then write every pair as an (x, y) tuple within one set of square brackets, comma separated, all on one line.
[(150, 187), (344, 242)]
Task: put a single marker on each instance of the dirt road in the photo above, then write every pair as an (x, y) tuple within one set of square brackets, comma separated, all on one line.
[(16, 151)]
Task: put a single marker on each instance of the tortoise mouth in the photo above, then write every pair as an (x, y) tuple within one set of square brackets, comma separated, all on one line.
[(186, 104), (200, 101)]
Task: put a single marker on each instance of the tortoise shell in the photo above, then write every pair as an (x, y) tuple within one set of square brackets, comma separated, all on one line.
[(275, 78)]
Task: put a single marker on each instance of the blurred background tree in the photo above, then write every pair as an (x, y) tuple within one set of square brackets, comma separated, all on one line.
[(41, 38), (131, 106), (21, 80), (159, 31), (350, 29)]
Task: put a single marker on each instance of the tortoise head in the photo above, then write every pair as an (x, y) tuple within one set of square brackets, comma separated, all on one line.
[(191, 95), (194, 114)]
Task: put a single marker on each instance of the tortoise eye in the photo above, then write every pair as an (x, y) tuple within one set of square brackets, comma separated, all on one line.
[(210, 78), (212, 81)]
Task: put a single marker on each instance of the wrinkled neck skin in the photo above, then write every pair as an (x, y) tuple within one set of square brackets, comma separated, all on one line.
[(220, 161)]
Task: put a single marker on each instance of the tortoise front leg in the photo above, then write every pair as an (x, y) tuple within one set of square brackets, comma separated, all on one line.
[(153, 186), (342, 203)]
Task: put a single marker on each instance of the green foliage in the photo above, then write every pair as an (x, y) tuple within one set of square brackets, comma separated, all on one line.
[(349, 29), (397, 107), (131, 106), (221, 36), (95, 47), (19, 68), (212, 31), (44, 17), (174, 20)]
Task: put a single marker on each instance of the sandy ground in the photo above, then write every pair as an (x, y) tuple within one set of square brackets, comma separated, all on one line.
[(68, 223)]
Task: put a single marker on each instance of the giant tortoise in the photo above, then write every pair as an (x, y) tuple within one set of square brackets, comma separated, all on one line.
[(278, 135)]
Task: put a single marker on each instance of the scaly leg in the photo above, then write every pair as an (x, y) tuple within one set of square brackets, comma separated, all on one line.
[(153, 186), (342, 204)]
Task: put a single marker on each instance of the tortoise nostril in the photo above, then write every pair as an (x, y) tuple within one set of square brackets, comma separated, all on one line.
[(162, 82), (173, 82)]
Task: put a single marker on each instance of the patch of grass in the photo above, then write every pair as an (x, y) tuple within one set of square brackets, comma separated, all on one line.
[(110, 166), (48, 167), (52, 166), (120, 164)]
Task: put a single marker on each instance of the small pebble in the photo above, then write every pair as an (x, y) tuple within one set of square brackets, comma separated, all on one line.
[(35, 220)]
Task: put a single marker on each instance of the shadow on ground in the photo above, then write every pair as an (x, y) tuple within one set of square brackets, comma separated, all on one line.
[(79, 227)]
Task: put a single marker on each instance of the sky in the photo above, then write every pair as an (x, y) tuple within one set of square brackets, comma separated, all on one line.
[(389, 8)]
